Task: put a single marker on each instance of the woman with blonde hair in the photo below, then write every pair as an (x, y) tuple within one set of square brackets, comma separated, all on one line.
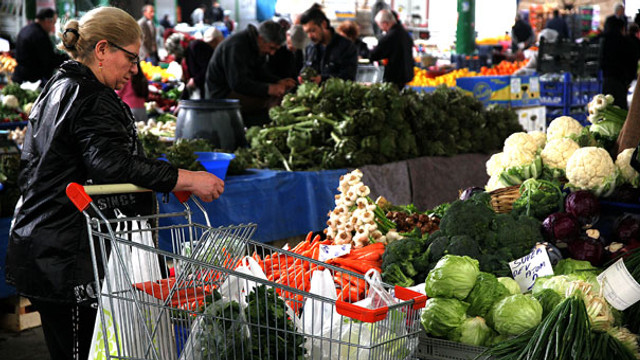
[(80, 131)]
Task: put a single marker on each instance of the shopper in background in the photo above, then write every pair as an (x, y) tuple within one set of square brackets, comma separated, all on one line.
[(377, 6), (619, 61), (197, 15), (196, 60), (351, 31), (618, 13), (165, 22), (522, 36), (558, 24), (237, 71), (330, 54), (284, 63), (397, 46), (214, 14), (149, 48), (80, 131), (135, 93), (228, 22), (35, 54)]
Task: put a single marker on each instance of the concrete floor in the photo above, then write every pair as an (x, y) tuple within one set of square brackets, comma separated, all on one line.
[(26, 345)]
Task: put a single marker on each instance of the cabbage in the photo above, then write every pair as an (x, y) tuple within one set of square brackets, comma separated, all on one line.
[(511, 285), (485, 293), (570, 266), (472, 331), (515, 314), (440, 316), (560, 283), (548, 299), (453, 276), (497, 339)]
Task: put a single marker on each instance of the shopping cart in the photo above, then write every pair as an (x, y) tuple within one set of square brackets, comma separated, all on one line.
[(205, 306)]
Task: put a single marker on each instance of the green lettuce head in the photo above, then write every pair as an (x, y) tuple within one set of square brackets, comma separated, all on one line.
[(484, 294), (472, 331), (511, 285), (515, 314), (570, 266), (452, 277), (441, 316)]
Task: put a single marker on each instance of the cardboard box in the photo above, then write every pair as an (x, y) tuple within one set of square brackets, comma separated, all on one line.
[(488, 89), (532, 118), (504, 90), (525, 91)]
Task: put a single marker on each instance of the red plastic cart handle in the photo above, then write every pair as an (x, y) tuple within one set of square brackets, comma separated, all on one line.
[(374, 315), (78, 196)]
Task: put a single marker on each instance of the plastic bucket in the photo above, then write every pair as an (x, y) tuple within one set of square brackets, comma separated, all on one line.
[(215, 162), (216, 120)]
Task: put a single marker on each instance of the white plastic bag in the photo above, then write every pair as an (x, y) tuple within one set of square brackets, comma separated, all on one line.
[(126, 266), (319, 317), (236, 288)]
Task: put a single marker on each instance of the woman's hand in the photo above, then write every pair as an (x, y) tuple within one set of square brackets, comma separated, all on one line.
[(202, 184)]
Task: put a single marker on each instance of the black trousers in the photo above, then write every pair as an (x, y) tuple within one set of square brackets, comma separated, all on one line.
[(68, 328), (618, 88)]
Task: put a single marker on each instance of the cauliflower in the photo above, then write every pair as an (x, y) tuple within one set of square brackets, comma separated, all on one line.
[(591, 168), (539, 137), (495, 164), (27, 108), (520, 141), (10, 101), (563, 126), (494, 183), (557, 151), (627, 173), (519, 166)]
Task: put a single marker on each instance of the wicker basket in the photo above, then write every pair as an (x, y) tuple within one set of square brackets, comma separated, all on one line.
[(502, 199)]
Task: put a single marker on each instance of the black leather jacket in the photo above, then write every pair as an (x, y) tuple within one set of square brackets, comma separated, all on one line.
[(79, 131)]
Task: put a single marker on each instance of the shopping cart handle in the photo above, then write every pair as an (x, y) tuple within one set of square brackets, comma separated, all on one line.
[(361, 313), (419, 300), (78, 196), (182, 196)]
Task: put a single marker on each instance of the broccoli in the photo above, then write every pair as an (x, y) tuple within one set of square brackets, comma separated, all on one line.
[(401, 254), (463, 245), (472, 218), (393, 275), (438, 242), (538, 198)]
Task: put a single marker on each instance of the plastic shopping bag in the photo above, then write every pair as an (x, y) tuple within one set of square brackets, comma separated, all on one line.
[(361, 338), (124, 336), (318, 317), (235, 288)]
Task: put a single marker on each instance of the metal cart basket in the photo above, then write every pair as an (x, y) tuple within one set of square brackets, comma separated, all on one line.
[(200, 302)]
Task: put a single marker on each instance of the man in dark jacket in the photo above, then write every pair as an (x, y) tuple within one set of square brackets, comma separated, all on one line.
[(558, 24), (396, 46), (35, 54), (237, 71), (197, 57), (214, 14), (330, 54)]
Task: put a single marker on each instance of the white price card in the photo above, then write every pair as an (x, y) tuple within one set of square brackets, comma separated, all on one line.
[(333, 251), (515, 85), (527, 269), (620, 288)]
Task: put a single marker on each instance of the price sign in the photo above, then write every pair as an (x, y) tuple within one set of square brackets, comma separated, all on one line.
[(333, 251), (620, 288), (527, 269)]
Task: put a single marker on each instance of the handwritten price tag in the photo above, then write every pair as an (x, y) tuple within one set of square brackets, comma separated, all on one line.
[(527, 269)]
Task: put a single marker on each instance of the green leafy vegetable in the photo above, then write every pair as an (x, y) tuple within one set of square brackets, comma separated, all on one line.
[(441, 316), (511, 285), (453, 276), (515, 314), (484, 294), (472, 331)]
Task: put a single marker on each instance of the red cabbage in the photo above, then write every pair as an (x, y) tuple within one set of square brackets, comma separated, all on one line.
[(627, 228), (584, 205), (588, 247), (561, 226)]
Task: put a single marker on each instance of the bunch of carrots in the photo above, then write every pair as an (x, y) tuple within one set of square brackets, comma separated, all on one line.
[(287, 270)]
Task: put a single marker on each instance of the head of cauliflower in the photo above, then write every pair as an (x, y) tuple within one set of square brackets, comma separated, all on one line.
[(591, 168), (627, 173), (563, 126), (539, 137), (557, 152), (520, 141)]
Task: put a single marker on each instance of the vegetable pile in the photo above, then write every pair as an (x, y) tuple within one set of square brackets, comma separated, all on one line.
[(344, 124)]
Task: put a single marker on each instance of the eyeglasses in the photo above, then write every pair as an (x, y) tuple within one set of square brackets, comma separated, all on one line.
[(133, 57)]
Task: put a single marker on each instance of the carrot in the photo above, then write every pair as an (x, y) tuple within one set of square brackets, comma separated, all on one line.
[(360, 265)]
